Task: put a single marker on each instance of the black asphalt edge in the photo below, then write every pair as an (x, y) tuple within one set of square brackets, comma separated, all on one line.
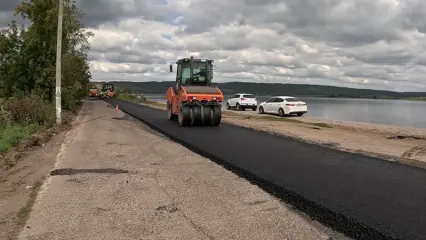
[(374, 157), (335, 221), (406, 162), (412, 163), (377, 156)]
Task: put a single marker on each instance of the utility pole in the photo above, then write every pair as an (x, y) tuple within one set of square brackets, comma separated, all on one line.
[(59, 63)]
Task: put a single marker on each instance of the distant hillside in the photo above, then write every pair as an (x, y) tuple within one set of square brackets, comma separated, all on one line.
[(273, 89)]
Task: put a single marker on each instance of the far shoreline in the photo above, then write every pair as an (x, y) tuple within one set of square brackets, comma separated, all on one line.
[(416, 99)]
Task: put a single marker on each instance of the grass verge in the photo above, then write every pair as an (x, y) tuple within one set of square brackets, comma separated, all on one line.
[(11, 135), (140, 99), (132, 98)]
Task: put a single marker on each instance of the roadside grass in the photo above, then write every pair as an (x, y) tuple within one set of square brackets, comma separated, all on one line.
[(12, 134), (25, 211), (132, 98), (139, 99), (157, 104), (21, 116)]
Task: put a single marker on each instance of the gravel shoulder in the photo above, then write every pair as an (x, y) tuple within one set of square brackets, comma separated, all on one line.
[(401, 144), (115, 178)]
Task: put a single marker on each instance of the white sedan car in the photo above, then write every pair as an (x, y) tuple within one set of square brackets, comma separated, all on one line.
[(283, 105)]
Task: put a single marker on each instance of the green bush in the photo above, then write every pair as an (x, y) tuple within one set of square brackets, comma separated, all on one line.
[(71, 97), (5, 115), (68, 99), (31, 109), (11, 135)]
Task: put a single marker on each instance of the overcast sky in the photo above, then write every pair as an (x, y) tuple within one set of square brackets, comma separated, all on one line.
[(357, 43)]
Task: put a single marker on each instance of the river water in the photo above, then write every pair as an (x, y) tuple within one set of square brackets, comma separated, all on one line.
[(393, 112)]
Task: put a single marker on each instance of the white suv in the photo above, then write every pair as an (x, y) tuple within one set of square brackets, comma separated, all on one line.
[(241, 101)]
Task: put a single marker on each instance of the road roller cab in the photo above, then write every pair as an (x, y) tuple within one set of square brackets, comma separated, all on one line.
[(107, 90), (193, 101)]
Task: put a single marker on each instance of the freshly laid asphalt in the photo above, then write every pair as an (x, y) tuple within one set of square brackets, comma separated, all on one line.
[(387, 197)]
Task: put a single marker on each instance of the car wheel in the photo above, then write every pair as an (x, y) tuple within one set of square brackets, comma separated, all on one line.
[(227, 106), (261, 110), (300, 114), (254, 108), (238, 107), (281, 112)]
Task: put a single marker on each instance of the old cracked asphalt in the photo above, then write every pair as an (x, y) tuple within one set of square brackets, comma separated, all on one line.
[(117, 179)]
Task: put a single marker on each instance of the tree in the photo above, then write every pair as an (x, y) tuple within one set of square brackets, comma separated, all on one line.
[(27, 55)]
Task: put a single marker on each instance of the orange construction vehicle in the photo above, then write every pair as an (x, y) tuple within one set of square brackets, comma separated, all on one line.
[(107, 90), (194, 101), (93, 91)]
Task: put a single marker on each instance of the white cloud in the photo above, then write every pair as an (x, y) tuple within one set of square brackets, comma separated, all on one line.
[(357, 43)]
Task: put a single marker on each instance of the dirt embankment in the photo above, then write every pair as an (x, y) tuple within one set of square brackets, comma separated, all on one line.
[(22, 172), (403, 144)]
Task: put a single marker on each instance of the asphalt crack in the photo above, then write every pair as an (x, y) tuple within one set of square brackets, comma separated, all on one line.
[(174, 207)]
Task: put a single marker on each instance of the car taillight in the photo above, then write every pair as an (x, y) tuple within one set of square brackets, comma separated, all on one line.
[(291, 105), (243, 98)]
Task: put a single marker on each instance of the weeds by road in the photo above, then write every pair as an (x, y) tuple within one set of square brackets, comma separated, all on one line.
[(22, 116), (11, 135), (140, 99), (135, 98)]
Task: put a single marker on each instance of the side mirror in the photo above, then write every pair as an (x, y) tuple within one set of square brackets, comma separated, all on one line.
[(171, 68), (214, 67)]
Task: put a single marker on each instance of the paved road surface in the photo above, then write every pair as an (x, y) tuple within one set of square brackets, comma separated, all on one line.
[(385, 196), (116, 179)]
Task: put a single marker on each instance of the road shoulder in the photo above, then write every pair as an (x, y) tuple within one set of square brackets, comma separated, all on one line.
[(23, 170)]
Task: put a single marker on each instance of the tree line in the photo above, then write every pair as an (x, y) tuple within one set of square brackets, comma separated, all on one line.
[(28, 53)]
